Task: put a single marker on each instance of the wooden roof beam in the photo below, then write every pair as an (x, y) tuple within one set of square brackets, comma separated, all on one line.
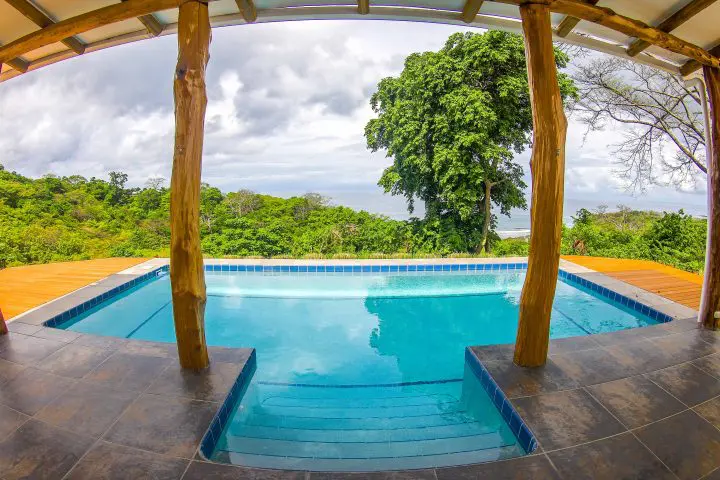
[(247, 10), (42, 20), (82, 23), (152, 24), (672, 22), (691, 66), (630, 27), (568, 23), (19, 64), (470, 10), (363, 7)]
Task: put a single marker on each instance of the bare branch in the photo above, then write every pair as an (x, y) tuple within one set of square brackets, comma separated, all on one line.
[(662, 114)]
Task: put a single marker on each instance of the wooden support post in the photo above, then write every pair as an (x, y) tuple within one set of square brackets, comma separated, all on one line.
[(547, 167), (710, 302), (187, 274)]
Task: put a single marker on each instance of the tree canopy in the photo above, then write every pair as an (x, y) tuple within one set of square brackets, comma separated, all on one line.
[(452, 122)]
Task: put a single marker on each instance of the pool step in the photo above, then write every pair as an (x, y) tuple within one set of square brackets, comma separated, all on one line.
[(369, 464), (305, 449), (462, 429), (361, 429)]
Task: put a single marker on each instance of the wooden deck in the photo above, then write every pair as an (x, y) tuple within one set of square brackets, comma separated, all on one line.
[(679, 286), (24, 288)]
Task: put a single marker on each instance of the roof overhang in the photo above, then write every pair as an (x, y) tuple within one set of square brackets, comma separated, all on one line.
[(675, 35)]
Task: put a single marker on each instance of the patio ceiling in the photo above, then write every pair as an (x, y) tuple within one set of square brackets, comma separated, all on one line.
[(35, 33)]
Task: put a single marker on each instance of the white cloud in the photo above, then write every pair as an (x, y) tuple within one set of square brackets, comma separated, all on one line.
[(287, 108)]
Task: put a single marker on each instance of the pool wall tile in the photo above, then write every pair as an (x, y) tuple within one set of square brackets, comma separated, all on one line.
[(220, 421), (519, 428), (615, 297)]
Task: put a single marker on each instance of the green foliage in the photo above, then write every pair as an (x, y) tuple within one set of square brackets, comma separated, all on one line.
[(675, 239), (73, 218), (452, 122)]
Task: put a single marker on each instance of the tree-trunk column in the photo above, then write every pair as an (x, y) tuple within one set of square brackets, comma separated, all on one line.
[(547, 166), (710, 303), (187, 275)]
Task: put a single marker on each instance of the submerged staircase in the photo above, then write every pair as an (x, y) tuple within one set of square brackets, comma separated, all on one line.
[(363, 428)]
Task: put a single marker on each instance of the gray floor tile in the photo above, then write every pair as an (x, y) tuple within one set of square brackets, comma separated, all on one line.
[(518, 381), (9, 370), (636, 401), (40, 451), (86, 408), (107, 461), (10, 420), (535, 467), (166, 425), (621, 457), (688, 383), (128, 371), (710, 411), (564, 419), (32, 389), (686, 443), (26, 350), (212, 384), (74, 361)]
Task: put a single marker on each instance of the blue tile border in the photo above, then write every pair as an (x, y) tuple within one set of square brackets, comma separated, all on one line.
[(379, 268), (61, 318), (616, 297), (220, 421), (517, 425)]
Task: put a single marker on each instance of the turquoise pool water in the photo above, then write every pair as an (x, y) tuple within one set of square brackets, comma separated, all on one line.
[(360, 371)]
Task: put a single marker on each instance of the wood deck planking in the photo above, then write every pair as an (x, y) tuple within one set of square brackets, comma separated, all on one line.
[(24, 288), (677, 285), (27, 287)]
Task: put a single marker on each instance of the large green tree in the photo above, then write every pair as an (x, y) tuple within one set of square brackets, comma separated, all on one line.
[(452, 122)]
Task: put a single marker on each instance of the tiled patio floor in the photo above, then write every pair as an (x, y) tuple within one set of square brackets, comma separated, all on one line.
[(641, 403)]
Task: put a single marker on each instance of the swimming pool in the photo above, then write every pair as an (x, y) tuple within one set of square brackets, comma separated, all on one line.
[(360, 370)]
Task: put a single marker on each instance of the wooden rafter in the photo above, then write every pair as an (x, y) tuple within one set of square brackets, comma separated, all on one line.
[(82, 23), (691, 66), (19, 64), (152, 24), (247, 10), (363, 7), (470, 10), (630, 27), (568, 23), (578, 9), (42, 20), (672, 22)]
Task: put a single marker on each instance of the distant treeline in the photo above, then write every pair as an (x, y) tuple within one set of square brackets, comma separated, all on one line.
[(71, 218)]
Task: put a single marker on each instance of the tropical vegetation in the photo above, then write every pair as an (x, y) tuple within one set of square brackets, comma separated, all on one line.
[(71, 218), (452, 122)]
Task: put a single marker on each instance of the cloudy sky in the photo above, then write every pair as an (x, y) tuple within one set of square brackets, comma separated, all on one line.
[(287, 107)]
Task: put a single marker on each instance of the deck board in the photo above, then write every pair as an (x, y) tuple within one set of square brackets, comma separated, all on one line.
[(27, 287), (674, 284)]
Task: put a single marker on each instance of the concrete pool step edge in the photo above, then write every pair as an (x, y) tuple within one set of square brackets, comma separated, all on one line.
[(339, 413), (355, 450), (369, 465), (309, 423), (362, 435)]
